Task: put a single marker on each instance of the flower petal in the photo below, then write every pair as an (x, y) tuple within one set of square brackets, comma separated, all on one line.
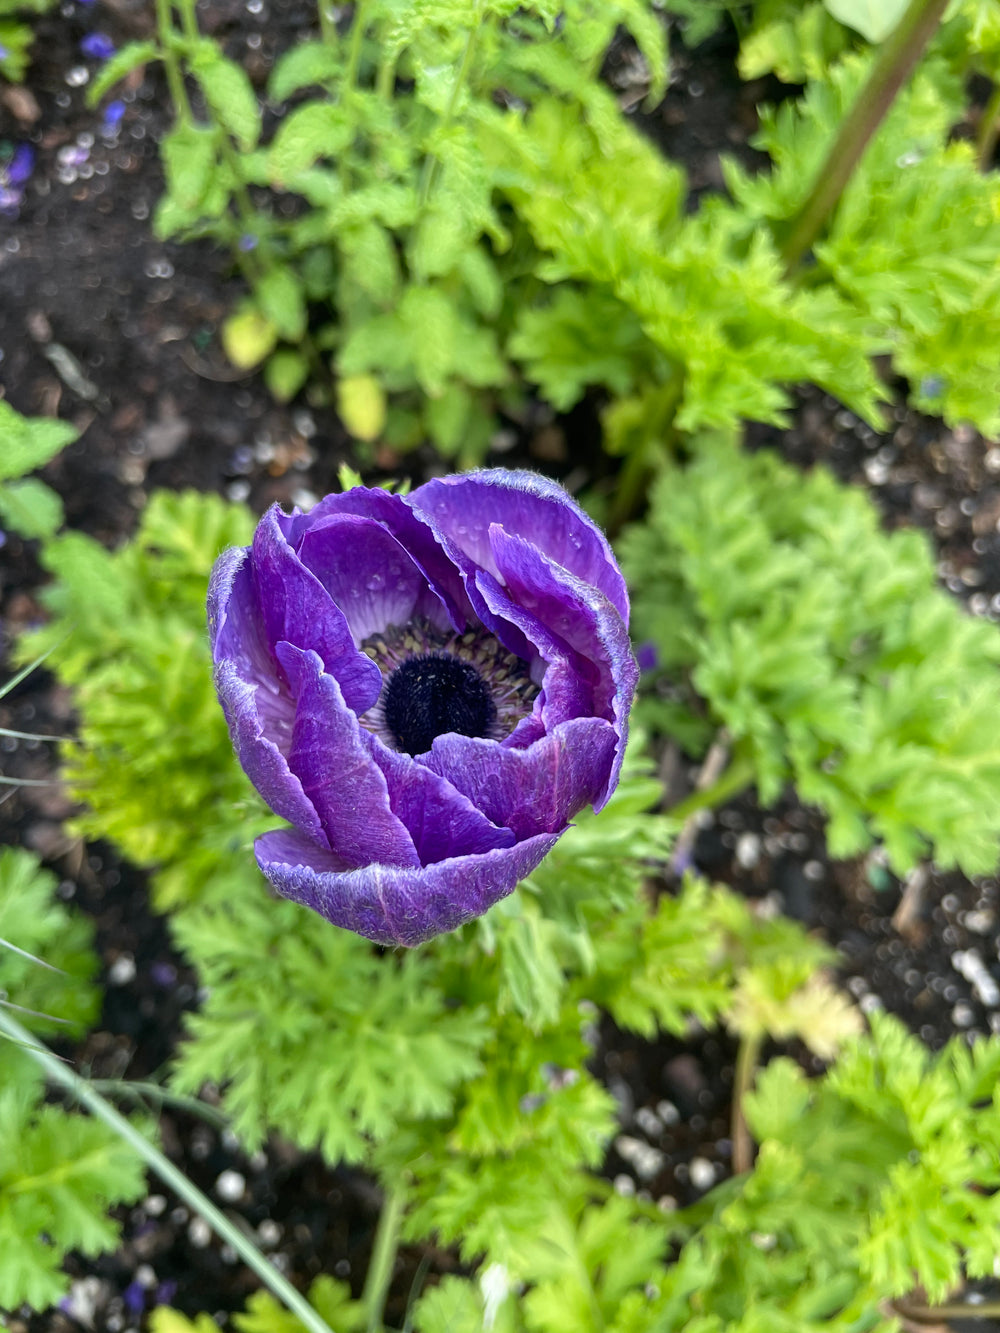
[(395, 905), (463, 507), (369, 576), (410, 531), (441, 821), (236, 632), (297, 609), (535, 790), (261, 760), (347, 790), (579, 615)]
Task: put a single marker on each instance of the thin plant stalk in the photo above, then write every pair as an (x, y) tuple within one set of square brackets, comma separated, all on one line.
[(327, 26), (26, 671), (171, 1176), (175, 76), (429, 169), (383, 1260), (736, 778), (893, 65), (747, 1059), (153, 1092)]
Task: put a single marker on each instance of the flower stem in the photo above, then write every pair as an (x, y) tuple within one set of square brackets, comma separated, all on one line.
[(747, 1058), (736, 777), (327, 27), (429, 169), (171, 1176), (175, 77), (934, 1314), (893, 66), (383, 1259)]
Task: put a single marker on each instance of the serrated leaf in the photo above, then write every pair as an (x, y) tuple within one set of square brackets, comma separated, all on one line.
[(318, 129), (309, 63), (27, 443), (229, 92)]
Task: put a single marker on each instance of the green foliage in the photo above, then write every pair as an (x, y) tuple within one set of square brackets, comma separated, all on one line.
[(29, 506), (16, 37), (58, 1175), (723, 329), (353, 1043), (154, 761), (35, 924), (874, 1180), (331, 1300), (59, 1172), (912, 243), (824, 648), (400, 254)]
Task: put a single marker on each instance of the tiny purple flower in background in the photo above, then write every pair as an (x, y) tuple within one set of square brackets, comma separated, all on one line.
[(647, 655), (97, 46), (4, 52), (114, 113), (427, 687), (14, 173), (248, 241)]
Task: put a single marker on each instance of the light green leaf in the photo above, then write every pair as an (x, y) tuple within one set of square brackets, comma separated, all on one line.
[(229, 93), (285, 373), (189, 159), (28, 442), (248, 336), (30, 508), (874, 19), (309, 63), (318, 129), (282, 301), (123, 62)]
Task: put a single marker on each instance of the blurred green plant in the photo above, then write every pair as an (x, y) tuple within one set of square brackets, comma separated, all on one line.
[(824, 648), (473, 212), (17, 35), (28, 506), (60, 1172)]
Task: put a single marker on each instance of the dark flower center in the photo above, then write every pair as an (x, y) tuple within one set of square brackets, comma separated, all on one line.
[(435, 693), (436, 681)]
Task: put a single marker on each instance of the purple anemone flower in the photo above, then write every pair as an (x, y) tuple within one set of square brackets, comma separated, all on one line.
[(427, 687)]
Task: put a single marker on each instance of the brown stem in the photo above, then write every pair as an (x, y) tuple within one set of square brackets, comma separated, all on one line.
[(893, 66)]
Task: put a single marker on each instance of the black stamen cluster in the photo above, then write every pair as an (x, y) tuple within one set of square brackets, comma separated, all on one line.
[(434, 693)]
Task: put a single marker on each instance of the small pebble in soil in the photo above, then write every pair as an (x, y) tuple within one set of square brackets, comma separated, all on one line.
[(230, 1186), (702, 1173), (962, 1015), (199, 1233), (122, 970), (969, 964)]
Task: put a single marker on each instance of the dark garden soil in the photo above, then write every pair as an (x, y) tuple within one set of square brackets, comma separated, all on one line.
[(116, 332)]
